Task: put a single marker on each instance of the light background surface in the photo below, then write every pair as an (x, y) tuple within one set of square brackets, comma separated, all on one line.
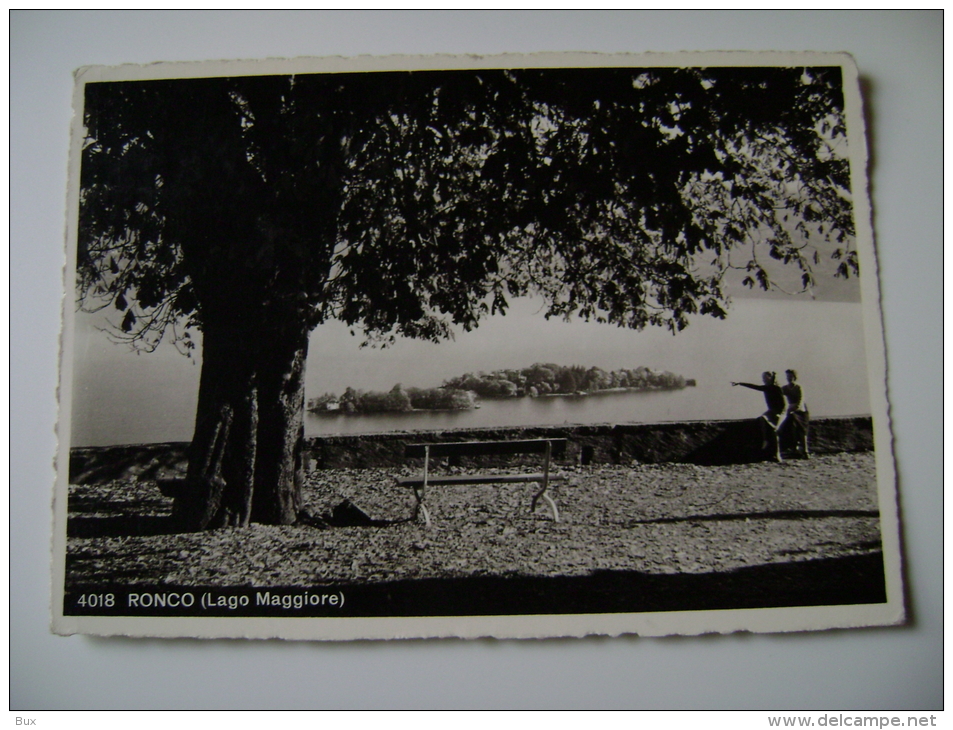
[(900, 58)]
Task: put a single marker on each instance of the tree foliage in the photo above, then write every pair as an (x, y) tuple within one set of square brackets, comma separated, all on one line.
[(405, 203)]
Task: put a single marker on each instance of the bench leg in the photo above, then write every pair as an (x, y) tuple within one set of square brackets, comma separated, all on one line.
[(419, 493), (420, 506), (549, 500), (542, 492)]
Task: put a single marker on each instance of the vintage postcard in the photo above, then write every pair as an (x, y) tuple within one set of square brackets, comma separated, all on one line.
[(516, 346)]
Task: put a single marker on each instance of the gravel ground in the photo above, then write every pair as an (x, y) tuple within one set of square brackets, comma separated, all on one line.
[(654, 519)]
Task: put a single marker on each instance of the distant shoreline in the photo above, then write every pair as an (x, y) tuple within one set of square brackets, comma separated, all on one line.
[(325, 413)]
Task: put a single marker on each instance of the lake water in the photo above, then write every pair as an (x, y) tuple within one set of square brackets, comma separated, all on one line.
[(120, 397), (643, 407)]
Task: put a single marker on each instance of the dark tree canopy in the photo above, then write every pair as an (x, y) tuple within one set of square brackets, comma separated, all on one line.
[(407, 203), (402, 202)]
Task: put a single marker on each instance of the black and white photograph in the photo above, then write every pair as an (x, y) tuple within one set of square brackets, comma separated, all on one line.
[(524, 346)]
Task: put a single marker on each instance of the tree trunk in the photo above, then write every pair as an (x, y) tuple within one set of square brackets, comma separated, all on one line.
[(279, 471), (245, 455)]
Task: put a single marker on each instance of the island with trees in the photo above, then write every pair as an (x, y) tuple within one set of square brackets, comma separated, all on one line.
[(463, 392)]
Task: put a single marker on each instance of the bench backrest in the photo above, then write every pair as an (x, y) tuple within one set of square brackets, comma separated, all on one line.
[(485, 448)]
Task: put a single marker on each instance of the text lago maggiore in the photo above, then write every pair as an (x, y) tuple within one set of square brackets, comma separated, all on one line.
[(211, 600)]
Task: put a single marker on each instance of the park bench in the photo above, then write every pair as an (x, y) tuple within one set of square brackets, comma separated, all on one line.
[(547, 447)]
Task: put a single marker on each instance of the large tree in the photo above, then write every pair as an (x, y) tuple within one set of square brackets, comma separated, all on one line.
[(406, 204)]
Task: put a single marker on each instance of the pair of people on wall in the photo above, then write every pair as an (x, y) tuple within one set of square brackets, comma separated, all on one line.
[(786, 411)]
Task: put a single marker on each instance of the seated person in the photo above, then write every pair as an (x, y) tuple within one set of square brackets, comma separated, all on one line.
[(771, 419), (798, 418)]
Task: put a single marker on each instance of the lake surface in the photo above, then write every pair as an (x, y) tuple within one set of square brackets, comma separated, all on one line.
[(120, 397), (635, 407), (645, 406)]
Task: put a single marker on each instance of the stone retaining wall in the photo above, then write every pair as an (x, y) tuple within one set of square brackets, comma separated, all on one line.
[(694, 442)]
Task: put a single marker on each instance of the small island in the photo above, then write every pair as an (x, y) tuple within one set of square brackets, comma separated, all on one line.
[(464, 392)]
